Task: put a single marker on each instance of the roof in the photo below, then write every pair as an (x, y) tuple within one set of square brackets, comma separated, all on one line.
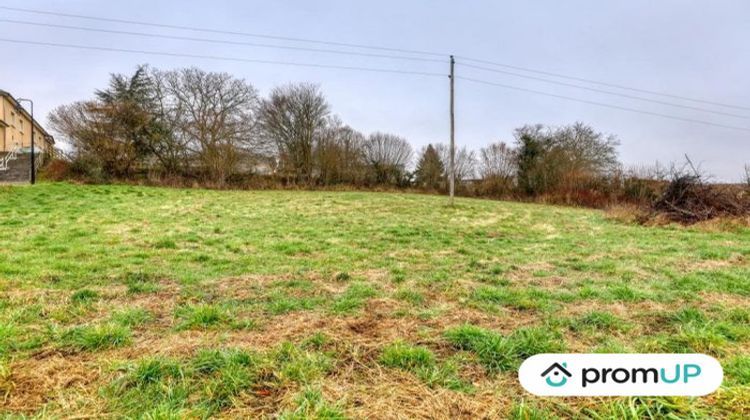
[(10, 97), (558, 367)]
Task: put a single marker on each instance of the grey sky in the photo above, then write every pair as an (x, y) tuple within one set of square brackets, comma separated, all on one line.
[(691, 48)]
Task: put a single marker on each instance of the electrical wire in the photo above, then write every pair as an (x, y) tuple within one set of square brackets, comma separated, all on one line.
[(602, 104), (220, 58), (371, 47), (219, 41), (219, 31), (606, 92), (596, 82)]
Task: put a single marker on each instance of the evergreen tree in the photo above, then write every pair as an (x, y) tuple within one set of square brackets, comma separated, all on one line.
[(530, 154), (430, 169)]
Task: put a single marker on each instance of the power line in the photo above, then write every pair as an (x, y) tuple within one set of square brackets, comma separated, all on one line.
[(606, 92), (602, 104), (371, 47), (367, 69), (219, 41), (219, 31), (595, 82), (221, 58)]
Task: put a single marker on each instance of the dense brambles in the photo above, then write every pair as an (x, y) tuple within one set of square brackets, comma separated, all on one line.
[(121, 301)]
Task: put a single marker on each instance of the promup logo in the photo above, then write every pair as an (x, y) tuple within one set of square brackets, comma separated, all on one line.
[(620, 374), (556, 375)]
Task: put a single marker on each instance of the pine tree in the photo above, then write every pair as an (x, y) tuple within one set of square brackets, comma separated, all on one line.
[(430, 169)]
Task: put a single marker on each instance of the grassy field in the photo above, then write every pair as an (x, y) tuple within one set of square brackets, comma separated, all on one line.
[(161, 303)]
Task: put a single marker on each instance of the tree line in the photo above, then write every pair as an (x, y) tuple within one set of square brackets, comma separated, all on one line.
[(190, 123)]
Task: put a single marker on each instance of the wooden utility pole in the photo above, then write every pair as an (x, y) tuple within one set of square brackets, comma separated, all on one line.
[(452, 163)]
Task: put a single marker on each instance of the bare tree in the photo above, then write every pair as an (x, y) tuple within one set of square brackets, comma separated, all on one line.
[(171, 146), (387, 157), (465, 161), (97, 147), (339, 154), (113, 131), (747, 175), (215, 115), (293, 119), (561, 158), (497, 161)]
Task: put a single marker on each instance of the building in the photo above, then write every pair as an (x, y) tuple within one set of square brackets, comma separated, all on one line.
[(15, 127), (15, 141)]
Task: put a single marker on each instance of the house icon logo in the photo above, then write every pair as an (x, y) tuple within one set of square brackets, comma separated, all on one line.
[(557, 374)]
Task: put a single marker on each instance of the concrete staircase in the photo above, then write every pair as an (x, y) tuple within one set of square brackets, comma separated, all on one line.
[(18, 169)]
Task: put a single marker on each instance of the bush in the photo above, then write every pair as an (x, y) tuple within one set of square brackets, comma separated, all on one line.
[(640, 191), (688, 199), (56, 170)]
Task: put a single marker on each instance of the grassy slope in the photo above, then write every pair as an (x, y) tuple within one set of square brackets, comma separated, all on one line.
[(192, 302)]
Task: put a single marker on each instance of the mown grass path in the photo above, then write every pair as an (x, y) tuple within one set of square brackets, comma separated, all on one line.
[(117, 300)]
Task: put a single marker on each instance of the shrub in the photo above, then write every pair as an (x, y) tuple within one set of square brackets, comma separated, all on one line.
[(689, 199), (56, 170)]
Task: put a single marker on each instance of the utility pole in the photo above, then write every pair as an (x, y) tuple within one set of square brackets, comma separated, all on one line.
[(33, 152), (452, 163)]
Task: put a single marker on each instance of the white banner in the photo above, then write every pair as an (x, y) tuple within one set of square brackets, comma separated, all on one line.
[(620, 374)]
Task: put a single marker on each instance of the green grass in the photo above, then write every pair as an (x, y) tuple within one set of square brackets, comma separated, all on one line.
[(202, 316), (131, 317), (8, 336), (289, 304), (502, 353), (599, 321), (412, 297), (310, 404), (84, 296), (403, 356), (738, 369), (425, 365), (353, 298), (140, 282), (95, 337)]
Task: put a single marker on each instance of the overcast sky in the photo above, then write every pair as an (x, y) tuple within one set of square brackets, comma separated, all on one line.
[(697, 49)]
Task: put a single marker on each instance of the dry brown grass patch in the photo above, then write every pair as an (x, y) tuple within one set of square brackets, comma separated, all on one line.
[(50, 379), (394, 394)]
